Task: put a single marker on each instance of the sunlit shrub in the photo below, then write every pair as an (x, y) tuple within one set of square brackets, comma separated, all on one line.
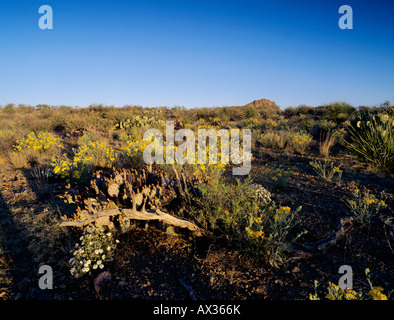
[(371, 138), (326, 125), (89, 155), (336, 110), (39, 141), (299, 142), (273, 139), (249, 112)]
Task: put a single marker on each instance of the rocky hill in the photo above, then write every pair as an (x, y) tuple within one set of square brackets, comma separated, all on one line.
[(266, 104)]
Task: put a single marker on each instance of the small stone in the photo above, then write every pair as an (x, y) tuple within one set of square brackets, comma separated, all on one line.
[(262, 289), (296, 270)]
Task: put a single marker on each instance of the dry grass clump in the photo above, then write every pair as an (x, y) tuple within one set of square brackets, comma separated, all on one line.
[(326, 145), (292, 141)]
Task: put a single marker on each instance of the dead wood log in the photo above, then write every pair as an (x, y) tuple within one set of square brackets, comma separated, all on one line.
[(103, 218), (332, 237), (323, 244)]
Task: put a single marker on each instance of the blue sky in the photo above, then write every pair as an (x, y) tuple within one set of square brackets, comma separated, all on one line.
[(196, 53)]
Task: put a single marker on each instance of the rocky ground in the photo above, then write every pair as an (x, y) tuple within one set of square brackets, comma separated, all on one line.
[(153, 264)]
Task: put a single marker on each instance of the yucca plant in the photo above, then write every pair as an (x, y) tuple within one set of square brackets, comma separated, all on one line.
[(371, 138)]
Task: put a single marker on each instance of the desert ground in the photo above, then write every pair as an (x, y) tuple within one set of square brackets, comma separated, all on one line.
[(319, 195)]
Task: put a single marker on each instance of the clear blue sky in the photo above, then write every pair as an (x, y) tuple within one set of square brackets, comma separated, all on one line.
[(196, 53)]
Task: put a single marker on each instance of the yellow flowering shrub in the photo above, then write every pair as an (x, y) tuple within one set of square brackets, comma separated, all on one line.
[(270, 124), (132, 146), (334, 292), (278, 176), (298, 142), (208, 171), (376, 292), (39, 141), (90, 154), (339, 134), (267, 231), (251, 123), (5, 133), (326, 125), (327, 170), (365, 205)]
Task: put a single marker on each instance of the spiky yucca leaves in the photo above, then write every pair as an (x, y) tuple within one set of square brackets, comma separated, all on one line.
[(371, 138)]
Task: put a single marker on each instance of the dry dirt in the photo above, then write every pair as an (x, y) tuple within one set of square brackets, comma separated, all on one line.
[(153, 264)]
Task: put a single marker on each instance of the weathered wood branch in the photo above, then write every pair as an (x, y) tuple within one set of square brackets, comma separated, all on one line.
[(323, 244), (333, 236), (103, 218)]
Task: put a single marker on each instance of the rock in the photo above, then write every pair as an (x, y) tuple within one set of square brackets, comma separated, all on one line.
[(170, 230), (296, 270), (262, 289), (102, 281)]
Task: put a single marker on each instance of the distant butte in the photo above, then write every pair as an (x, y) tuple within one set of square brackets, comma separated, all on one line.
[(263, 103)]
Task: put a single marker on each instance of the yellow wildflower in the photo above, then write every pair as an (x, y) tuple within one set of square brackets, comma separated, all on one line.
[(376, 293)]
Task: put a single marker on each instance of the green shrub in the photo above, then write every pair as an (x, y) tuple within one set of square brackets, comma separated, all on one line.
[(365, 206), (9, 108), (222, 205), (250, 112), (305, 122), (244, 214), (268, 230), (336, 110), (326, 170), (278, 176), (326, 125)]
